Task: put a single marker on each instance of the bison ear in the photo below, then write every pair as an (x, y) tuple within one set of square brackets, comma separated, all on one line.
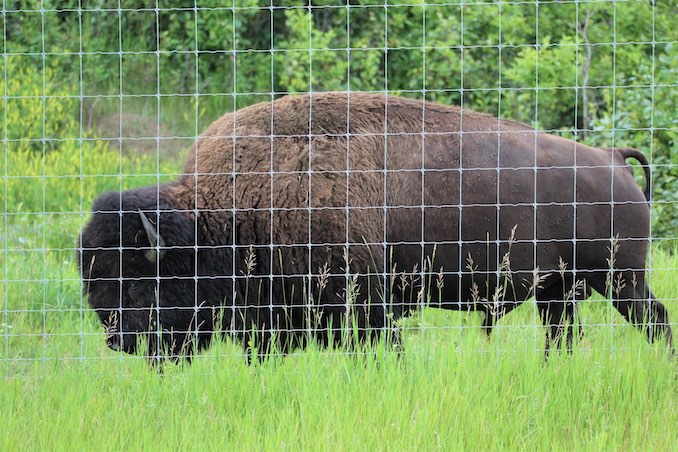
[(154, 239)]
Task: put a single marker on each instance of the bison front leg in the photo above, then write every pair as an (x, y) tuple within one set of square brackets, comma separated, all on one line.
[(557, 310), (557, 316)]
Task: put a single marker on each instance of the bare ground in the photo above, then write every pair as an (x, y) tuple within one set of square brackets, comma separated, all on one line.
[(132, 133)]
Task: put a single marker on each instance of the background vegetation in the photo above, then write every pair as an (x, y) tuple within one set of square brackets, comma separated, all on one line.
[(600, 71), (104, 98)]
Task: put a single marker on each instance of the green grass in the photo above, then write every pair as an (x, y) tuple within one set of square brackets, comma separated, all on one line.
[(451, 388), (439, 394)]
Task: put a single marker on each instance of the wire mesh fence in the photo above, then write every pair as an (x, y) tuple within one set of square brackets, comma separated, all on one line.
[(294, 174)]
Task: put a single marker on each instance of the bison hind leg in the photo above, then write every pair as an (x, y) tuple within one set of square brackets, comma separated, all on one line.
[(634, 300), (645, 312)]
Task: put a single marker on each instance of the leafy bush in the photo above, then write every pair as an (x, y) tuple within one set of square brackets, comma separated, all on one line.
[(68, 179), (645, 118), (64, 174), (38, 113), (603, 71)]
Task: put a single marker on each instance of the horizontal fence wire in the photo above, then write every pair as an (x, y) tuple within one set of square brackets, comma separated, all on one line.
[(199, 180)]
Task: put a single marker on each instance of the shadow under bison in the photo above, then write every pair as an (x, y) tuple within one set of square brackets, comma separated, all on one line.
[(300, 219)]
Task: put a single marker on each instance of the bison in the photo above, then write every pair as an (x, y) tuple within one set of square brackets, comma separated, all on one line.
[(299, 219)]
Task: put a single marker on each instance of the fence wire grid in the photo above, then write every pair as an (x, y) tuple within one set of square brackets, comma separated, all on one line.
[(406, 173)]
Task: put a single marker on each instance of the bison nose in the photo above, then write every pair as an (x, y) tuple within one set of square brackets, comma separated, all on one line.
[(113, 342)]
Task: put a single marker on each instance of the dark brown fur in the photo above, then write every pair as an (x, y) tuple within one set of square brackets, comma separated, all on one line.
[(335, 181)]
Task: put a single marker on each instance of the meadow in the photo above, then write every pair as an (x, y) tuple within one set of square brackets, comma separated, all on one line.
[(451, 388)]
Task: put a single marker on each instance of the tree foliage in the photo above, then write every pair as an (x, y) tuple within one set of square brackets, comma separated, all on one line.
[(601, 72)]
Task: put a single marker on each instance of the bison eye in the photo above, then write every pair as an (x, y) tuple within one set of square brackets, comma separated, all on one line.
[(134, 288), (136, 294)]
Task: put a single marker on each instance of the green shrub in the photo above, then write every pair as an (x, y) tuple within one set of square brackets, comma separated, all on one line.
[(65, 174), (605, 66), (68, 179), (38, 112)]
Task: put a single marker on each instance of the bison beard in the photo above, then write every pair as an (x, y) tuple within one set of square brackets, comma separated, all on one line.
[(296, 219)]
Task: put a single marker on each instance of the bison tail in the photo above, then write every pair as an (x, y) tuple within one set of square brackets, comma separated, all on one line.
[(640, 157)]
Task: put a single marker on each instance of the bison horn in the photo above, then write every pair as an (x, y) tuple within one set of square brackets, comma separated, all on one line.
[(154, 239)]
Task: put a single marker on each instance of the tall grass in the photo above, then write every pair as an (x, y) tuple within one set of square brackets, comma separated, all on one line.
[(451, 388), (437, 395)]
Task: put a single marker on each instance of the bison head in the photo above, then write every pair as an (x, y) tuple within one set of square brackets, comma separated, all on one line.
[(137, 260)]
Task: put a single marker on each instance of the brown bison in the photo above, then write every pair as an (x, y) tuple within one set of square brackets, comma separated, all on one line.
[(299, 220)]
